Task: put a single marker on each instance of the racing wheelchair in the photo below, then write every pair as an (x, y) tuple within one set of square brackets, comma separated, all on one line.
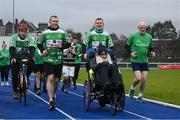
[(106, 86)]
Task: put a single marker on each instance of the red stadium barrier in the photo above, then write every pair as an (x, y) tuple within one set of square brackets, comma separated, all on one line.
[(169, 66)]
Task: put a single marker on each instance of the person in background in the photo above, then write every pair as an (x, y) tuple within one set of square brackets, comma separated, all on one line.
[(4, 64), (139, 46), (39, 68), (78, 56)]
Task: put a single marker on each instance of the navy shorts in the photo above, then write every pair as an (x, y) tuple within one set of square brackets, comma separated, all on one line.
[(140, 66)]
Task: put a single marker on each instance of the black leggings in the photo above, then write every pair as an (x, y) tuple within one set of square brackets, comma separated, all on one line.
[(15, 70), (4, 73), (76, 71)]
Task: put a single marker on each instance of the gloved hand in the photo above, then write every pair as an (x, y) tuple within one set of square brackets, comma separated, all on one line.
[(91, 74)]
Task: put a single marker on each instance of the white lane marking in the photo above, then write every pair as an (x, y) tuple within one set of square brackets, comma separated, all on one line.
[(160, 103), (59, 110), (70, 117), (110, 106), (154, 101)]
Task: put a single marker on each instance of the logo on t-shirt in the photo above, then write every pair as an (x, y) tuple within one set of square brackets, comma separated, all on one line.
[(54, 43)]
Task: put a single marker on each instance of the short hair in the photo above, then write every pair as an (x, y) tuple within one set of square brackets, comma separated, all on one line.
[(99, 19), (141, 23), (53, 16)]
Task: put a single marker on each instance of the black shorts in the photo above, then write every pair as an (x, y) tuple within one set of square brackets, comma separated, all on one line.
[(53, 69), (140, 66), (39, 68)]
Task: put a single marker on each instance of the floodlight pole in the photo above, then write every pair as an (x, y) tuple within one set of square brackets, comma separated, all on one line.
[(13, 19)]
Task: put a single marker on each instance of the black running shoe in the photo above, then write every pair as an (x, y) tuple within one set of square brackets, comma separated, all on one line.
[(38, 91), (52, 105)]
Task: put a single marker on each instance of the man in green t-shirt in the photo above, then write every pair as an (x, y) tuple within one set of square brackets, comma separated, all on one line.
[(39, 68), (51, 44), (97, 36), (21, 46), (139, 46)]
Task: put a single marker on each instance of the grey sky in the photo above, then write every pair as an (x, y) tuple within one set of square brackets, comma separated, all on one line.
[(120, 16)]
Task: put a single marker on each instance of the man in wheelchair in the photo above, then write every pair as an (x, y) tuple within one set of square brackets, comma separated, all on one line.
[(104, 71)]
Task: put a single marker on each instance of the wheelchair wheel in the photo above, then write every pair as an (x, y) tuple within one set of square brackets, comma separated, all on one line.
[(121, 100), (86, 96), (114, 104)]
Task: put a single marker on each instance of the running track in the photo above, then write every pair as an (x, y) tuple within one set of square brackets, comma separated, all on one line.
[(70, 106)]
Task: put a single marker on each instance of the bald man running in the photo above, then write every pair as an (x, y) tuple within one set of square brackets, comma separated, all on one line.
[(139, 46)]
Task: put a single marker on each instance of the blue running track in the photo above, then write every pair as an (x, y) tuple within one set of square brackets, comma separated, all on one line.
[(70, 106)]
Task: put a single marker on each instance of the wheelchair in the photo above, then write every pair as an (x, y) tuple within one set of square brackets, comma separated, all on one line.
[(111, 92)]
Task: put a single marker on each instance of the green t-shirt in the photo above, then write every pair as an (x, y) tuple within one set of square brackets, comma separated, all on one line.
[(79, 54), (52, 41), (21, 45), (37, 54), (140, 44), (6, 60), (93, 39)]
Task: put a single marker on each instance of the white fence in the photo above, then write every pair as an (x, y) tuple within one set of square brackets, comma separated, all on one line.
[(123, 65)]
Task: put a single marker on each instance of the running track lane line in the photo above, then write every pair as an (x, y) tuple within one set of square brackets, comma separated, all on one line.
[(143, 117), (154, 101), (82, 96), (59, 110)]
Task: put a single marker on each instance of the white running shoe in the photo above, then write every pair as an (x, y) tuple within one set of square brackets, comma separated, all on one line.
[(2, 83), (7, 84)]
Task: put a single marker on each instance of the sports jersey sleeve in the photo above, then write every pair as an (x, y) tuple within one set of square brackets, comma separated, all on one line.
[(12, 41), (67, 41), (130, 39), (110, 42), (151, 45), (31, 41), (86, 39), (67, 38)]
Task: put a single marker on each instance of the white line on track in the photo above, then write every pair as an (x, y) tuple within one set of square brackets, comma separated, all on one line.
[(59, 110), (143, 117), (149, 100), (154, 101)]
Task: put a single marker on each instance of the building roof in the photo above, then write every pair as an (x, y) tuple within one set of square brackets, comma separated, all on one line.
[(2, 30), (1, 22)]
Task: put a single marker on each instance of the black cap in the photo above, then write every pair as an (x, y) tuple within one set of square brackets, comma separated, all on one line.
[(101, 49)]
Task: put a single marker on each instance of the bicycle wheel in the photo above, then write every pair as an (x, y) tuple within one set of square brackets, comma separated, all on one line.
[(19, 86), (86, 96), (24, 88)]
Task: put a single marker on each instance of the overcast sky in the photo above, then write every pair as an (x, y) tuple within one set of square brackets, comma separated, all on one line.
[(120, 16)]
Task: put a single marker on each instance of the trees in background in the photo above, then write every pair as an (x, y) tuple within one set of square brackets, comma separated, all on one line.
[(165, 30)]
